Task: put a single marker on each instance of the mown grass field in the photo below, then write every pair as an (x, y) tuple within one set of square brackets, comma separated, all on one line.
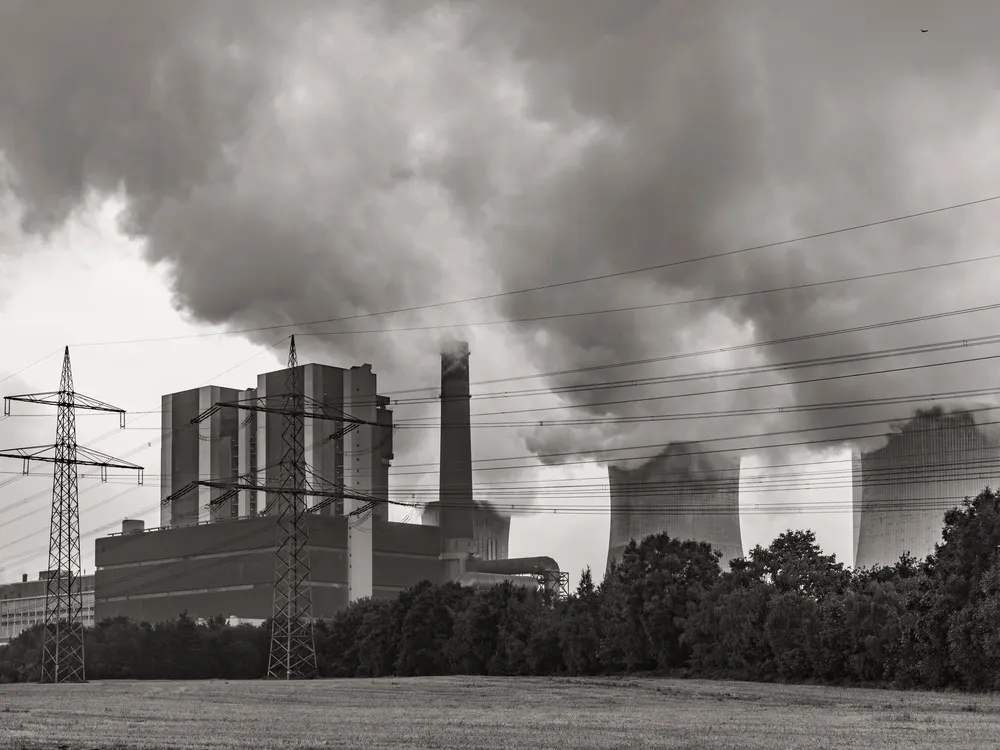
[(467, 713)]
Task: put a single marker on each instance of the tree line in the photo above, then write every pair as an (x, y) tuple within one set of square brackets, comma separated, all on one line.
[(784, 612)]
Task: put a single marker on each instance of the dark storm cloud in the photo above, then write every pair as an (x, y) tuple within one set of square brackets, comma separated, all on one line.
[(733, 124), (305, 160)]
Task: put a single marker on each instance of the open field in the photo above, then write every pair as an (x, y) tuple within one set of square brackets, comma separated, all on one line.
[(493, 713)]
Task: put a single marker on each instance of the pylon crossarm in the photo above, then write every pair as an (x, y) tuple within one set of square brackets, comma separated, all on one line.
[(82, 457), (278, 404), (277, 489), (96, 458), (64, 398), (29, 454)]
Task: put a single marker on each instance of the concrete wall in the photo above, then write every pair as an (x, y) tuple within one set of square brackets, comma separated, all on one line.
[(190, 452), (184, 454), (683, 493), (902, 490), (227, 568)]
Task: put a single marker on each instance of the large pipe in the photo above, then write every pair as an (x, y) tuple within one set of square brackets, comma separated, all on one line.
[(455, 491), (489, 580), (531, 566)]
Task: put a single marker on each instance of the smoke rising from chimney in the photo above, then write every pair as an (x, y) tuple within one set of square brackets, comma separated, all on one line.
[(324, 160)]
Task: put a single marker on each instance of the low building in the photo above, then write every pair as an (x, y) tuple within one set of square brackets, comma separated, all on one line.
[(227, 567), (22, 605)]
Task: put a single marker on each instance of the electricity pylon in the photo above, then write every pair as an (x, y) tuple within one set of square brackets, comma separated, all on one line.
[(292, 650), (62, 650)]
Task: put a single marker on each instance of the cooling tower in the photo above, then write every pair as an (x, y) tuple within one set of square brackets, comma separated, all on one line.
[(455, 494), (902, 490), (683, 493)]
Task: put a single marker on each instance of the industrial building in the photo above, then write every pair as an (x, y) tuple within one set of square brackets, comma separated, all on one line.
[(22, 604), (902, 490), (210, 559), (685, 492), (235, 442)]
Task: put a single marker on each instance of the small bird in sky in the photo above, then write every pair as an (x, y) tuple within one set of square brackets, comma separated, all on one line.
[(923, 31)]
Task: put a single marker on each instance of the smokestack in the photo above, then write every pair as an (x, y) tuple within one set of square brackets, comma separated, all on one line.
[(455, 494), (456, 443)]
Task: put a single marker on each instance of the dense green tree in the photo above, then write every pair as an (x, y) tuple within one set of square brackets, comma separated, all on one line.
[(426, 629), (649, 596), (786, 611), (579, 628), (727, 634), (378, 636)]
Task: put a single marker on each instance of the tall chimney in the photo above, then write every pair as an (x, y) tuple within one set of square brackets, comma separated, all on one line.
[(456, 519)]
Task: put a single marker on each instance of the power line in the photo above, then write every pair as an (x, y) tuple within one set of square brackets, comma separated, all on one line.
[(656, 305), (411, 422), (753, 447), (734, 389), (559, 284), (725, 350), (934, 347), (28, 367), (746, 448)]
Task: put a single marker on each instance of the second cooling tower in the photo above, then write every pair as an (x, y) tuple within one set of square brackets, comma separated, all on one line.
[(684, 492), (902, 490)]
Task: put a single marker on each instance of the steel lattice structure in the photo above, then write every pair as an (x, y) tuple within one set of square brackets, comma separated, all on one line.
[(62, 651), (292, 650)]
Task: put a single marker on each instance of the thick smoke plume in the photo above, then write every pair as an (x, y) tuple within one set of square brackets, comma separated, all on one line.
[(305, 161), (454, 356)]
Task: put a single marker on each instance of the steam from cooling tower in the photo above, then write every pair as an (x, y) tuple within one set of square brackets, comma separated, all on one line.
[(525, 144)]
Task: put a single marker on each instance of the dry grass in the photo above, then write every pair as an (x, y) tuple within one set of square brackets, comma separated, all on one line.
[(472, 713)]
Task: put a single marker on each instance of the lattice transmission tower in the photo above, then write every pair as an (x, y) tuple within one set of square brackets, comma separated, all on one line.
[(292, 650), (62, 650)]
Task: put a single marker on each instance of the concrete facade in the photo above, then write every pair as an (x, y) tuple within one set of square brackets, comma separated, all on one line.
[(902, 490), (188, 452), (682, 493), (227, 568), (22, 605)]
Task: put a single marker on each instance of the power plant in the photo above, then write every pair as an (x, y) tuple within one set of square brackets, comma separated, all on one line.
[(214, 552), (684, 492)]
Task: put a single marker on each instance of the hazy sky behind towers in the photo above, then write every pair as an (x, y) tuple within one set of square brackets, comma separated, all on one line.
[(306, 161)]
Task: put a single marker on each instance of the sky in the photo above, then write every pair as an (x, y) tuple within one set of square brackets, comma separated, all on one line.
[(191, 168)]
